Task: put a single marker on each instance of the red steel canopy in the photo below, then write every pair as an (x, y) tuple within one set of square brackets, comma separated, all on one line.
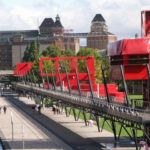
[(22, 68), (129, 47), (133, 54)]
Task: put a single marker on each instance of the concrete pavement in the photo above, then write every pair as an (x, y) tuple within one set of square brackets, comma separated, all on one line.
[(18, 132), (71, 131), (78, 127)]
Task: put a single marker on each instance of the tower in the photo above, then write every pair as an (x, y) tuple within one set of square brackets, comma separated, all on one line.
[(58, 28), (98, 24), (99, 37)]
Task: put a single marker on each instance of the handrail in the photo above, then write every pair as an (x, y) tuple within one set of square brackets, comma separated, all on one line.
[(100, 105)]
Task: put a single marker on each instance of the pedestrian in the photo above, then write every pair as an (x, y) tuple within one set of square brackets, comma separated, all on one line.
[(145, 145), (39, 109), (54, 109), (57, 110), (5, 109), (90, 123)]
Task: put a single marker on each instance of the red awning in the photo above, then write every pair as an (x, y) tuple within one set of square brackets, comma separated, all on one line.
[(136, 72), (22, 68), (131, 72), (129, 47)]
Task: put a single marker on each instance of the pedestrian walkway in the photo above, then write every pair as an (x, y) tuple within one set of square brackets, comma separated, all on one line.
[(74, 133), (18, 132), (104, 138)]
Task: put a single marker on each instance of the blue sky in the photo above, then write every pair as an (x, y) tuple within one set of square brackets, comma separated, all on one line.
[(122, 16)]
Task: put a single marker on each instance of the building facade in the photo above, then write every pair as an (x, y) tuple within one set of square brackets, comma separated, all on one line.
[(99, 37), (13, 43)]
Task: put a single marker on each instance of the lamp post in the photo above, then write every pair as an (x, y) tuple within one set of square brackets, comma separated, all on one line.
[(12, 126)]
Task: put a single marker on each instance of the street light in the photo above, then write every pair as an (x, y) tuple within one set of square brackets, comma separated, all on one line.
[(12, 126)]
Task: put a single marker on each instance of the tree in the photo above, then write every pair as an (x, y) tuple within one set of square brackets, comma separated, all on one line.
[(30, 52), (99, 60), (88, 52), (51, 51), (105, 63), (68, 52)]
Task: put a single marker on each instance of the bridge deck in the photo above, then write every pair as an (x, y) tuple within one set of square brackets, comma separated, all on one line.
[(100, 106)]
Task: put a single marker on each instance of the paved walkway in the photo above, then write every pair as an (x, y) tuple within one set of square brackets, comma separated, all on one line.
[(71, 131), (18, 132), (105, 138)]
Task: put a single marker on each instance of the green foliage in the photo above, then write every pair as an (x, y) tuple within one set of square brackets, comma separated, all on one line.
[(107, 125), (98, 62), (68, 52), (88, 52), (51, 51), (49, 66), (65, 66), (105, 62), (98, 71), (82, 66), (35, 68), (30, 52)]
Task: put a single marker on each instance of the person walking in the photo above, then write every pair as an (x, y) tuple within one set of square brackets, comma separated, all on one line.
[(5, 109), (39, 109)]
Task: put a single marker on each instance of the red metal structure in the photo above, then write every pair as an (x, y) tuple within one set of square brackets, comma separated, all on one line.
[(22, 69), (145, 23), (73, 67), (133, 58), (82, 76), (133, 54)]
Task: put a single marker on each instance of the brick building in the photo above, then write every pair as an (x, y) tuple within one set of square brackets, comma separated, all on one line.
[(99, 36)]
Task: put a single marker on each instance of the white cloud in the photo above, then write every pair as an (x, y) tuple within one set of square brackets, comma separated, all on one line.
[(122, 16)]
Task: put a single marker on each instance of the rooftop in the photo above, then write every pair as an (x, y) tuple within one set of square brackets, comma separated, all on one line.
[(48, 22), (98, 17)]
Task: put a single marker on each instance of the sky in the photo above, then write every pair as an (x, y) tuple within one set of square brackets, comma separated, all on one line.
[(122, 16)]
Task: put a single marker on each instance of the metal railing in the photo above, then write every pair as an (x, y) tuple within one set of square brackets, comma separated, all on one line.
[(97, 104)]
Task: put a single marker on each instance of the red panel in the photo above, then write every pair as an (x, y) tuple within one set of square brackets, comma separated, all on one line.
[(136, 72), (83, 77), (112, 91), (129, 47), (145, 23), (22, 68)]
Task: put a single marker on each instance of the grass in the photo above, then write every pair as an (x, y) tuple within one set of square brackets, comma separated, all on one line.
[(117, 124), (136, 97), (108, 128), (136, 101)]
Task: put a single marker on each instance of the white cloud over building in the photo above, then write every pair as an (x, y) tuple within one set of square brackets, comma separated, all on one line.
[(122, 16)]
